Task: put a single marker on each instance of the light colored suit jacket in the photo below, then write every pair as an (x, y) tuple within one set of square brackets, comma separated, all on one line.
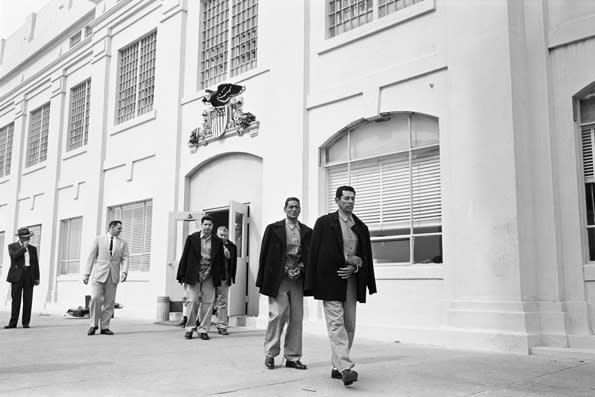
[(100, 263)]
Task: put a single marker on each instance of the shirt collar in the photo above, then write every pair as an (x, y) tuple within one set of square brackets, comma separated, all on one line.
[(348, 218), (206, 238), (109, 235), (291, 226)]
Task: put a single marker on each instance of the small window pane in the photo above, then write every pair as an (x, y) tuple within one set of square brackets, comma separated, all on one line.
[(590, 196), (427, 249), (424, 131), (591, 236), (378, 138), (587, 105), (395, 251), (337, 152)]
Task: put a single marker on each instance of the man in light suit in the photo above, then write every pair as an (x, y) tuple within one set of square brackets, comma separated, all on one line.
[(108, 261)]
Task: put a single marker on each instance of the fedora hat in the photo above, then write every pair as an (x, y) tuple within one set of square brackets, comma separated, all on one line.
[(24, 232)]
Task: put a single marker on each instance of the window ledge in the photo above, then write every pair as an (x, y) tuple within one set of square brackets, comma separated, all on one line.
[(143, 118), (377, 25), (394, 271), (589, 271), (70, 277), (74, 153), (34, 168), (4, 179), (134, 277)]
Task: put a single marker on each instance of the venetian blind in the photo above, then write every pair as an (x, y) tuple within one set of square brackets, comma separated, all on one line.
[(587, 141), (136, 230)]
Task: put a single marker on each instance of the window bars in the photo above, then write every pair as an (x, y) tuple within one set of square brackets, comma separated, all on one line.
[(78, 129), (6, 137), (38, 135)]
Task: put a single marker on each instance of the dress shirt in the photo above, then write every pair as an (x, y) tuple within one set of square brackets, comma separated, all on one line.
[(27, 258)]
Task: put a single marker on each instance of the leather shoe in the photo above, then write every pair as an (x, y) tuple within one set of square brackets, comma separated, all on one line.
[(336, 374), (269, 362), (204, 336), (92, 330), (222, 331), (106, 332), (9, 326), (26, 326), (349, 376), (188, 335), (295, 364)]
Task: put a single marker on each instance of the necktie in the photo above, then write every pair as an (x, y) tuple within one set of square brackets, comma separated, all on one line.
[(111, 245)]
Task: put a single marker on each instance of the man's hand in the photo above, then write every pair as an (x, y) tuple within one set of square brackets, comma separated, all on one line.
[(26, 244), (226, 252), (354, 260), (123, 277), (85, 279), (347, 271), (36, 282)]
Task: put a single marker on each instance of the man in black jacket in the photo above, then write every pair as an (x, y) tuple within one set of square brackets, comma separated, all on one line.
[(230, 252), (201, 269), (339, 270), (23, 275), (283, 259)]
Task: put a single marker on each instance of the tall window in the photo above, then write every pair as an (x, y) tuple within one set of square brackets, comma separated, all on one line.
[(78, 126), (394, 166), (136, 78), (6, 135), (1, 249), (136, 230), (39, 125), (587, 127), (70, 245), (344, 15), (36, 238), (219, 59)]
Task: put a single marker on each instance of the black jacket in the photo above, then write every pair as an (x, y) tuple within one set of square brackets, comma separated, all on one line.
[(326, 257), (190, 262), (271, 266), (17, 262), (233, 261)]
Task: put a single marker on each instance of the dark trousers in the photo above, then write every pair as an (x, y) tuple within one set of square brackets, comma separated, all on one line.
[(24, 289)]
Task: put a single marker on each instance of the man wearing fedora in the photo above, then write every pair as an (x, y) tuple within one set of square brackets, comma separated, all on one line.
[(23, 275)]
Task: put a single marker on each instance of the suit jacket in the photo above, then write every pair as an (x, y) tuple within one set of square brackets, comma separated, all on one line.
[(100, 262), (326, 257), (271, 265), (233, 261), (189, 266), (17, 262)]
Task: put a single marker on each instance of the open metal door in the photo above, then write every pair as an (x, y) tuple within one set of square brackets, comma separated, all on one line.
[(238, 234)]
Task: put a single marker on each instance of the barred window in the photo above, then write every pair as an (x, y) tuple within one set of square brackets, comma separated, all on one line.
[(587, 130), (75, 39), (36, 238), (70, 245), (39, 125), (6, 136), (136, 221), (136, 78), (219, 58), (78, 128)]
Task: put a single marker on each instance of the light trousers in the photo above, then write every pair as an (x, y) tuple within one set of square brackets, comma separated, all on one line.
[(340, 324), (103, 298), (287, 306), (201, 296), (221, 298)]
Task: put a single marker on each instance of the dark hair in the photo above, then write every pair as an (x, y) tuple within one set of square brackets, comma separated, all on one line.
[(288, 199), (114, 223), (207, 218), (340, 190)]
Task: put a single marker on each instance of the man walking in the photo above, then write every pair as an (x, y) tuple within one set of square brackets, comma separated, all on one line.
[(108, 265), (200, 270), (23, 275), (230, 252), (339, 271), (283, 259)]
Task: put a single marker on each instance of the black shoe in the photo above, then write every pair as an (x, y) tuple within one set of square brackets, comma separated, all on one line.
[(204, 336), (183, 322), (92, 330), (336, 374), (106, 332), (9, 326), (26, 326), (222, 331), (269, 362), (188, 335), (349, 376), (295, 364)]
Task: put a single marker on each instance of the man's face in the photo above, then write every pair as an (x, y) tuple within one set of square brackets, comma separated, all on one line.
[(293, 209), (207, 227), (346, 202), (23, 239), (116, 230), (222, 234)]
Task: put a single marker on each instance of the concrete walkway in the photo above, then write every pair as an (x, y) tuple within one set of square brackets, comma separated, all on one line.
[(55, 357)]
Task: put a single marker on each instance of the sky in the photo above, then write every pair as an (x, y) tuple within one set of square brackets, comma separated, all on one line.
[(14, 12)]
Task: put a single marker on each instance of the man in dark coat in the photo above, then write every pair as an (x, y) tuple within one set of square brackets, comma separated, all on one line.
[(230, 252), (283, 259), (200, 270), (339, 271), (23, 275)]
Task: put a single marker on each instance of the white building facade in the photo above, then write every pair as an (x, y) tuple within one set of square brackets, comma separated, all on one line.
[(466, 129)]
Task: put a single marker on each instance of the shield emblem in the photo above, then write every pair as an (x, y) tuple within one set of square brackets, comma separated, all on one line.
[(219, 120)]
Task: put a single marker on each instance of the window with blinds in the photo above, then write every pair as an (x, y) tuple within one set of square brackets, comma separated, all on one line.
[(70, 245), (587, 128), (136, 221), (39, 125), (6, 137), (394, 167), (136, 78), (78, 126), (228, 39)]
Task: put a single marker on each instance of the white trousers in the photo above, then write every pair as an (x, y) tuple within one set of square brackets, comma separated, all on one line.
[(103, 298)]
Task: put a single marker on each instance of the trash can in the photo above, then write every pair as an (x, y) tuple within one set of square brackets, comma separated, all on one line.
[(162, 308)]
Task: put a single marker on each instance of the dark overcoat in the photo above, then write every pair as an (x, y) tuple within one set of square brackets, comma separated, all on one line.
[(17, 262), (189, 266), (271, 266), (233, 261), (326, 257)]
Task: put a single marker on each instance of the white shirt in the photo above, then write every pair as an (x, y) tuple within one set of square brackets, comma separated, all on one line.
[(27, 259)]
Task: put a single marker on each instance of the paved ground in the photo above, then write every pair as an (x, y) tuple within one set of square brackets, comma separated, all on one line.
[(56, 357)]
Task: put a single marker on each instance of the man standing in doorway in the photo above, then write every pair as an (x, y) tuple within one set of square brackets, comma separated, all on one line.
[(200, 270), (108, 263), (339, 271), (22, 276), (283, 259), (230, 252)]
